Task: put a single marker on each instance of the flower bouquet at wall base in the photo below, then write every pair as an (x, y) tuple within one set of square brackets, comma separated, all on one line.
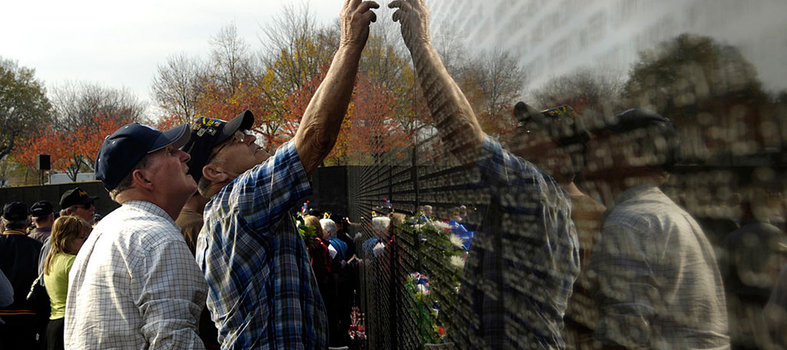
[(425, 310), (438, 240), (441, 260)]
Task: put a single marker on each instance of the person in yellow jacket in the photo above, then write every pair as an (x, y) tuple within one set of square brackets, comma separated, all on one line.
[(68, 235)]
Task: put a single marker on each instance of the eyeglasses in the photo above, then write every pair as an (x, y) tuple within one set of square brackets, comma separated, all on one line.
[(238, 137), (85, 206)]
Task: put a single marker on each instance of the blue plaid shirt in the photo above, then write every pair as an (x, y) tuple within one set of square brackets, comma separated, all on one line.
[(523, 260), (262, 291)]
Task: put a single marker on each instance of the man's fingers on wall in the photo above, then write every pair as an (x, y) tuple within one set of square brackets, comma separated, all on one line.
[(366, 5), (402, 5), (396, 15), (370, 17)]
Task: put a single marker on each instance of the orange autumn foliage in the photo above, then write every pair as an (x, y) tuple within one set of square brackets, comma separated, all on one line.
[(367, 129), (70, 150)]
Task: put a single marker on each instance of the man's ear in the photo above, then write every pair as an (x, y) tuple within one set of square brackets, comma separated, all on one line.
[(214, 173), (141, 180)]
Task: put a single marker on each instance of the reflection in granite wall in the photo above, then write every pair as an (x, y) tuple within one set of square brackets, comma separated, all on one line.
[(678, 216), (553, 38)]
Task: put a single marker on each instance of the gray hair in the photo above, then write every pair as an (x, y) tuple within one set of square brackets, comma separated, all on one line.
[(328, 226), (128, 181)]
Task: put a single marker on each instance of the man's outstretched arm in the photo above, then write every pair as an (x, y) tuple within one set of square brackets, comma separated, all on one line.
[(459, 129), (322, 119)]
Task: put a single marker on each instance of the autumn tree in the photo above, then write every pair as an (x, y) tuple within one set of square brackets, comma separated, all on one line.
[(177, 86), (222, 86), (492, 83), (85, 105), (24, 106), (711, 92), (72, 156), (295, 52), (690, 70), (84, 115), (386, 68), (216, 102), (295, 105), (295, 48), (369, 127), (231, 64), (235, 82), (374, 128)]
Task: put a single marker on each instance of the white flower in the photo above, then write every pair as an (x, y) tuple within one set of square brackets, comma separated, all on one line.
[(422, 289), (457, 261), (380, 223), (456, 241), (441, 225)]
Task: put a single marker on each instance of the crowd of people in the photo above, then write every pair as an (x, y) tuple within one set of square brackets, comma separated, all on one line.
[(204, 252), (39, 246)]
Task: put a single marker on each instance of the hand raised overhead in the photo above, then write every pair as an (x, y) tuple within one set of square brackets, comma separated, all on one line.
[(356, 16), (413, 15)]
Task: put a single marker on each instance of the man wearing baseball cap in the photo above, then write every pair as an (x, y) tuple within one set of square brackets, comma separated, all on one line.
[(527, 312), (134, 283), (657, 282), (43, 215), (78, 203), (555, 140), (19, 262), (263, 293)]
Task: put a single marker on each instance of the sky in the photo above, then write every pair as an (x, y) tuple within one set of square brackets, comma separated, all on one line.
[(119, 44)]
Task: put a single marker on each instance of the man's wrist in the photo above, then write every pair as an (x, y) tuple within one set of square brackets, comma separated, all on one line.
[(351, 46)]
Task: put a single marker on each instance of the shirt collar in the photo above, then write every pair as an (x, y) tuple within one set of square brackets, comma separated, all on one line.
[(14, 232), (149, 208), (632, 192)]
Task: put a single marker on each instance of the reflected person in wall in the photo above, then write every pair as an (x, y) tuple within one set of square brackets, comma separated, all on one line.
[(525, 255), (556, 140), (657, 284)]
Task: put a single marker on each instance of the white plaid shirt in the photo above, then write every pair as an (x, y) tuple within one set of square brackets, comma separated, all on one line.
[(134, 285), (658, 283)]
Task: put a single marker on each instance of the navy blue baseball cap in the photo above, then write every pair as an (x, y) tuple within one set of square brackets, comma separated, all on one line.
[(123, 149), (207, 133), (661, 133), (635, 118)]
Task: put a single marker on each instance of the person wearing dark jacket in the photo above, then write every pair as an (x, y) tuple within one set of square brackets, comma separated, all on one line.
[(19, 262)]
